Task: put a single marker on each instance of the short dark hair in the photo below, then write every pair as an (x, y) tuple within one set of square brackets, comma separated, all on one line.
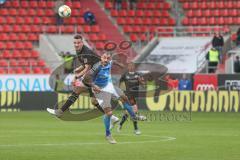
[(78, 36)]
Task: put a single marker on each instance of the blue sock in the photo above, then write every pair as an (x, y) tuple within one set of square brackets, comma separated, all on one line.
[(129, 108), (106, 120)]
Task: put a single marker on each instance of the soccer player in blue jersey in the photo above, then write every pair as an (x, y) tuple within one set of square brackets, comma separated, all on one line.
[(103, 89)]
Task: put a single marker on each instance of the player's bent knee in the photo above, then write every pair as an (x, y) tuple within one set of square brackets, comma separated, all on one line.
[(108, 111)]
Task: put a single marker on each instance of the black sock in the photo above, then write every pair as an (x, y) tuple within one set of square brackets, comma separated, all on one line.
[(124, 118), (135, 125), (70, 101), (99, 108)]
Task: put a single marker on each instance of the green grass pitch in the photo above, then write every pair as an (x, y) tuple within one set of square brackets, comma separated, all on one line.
[(40, 136)]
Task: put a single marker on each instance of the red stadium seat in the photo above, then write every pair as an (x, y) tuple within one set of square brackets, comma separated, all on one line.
[(32, 12), (71, 20), (148, 13), (95, 29), (46, 70), (7, 28), (19, 70), (133, 37), (37, 70), (28, 20), (13, 12), (22, 37), (15, 4), (131, 13), (28, 45), (138, 21), (13, 63), (93, 37), (147, 21), (10, 20), (49, 12), (114, 13), (139, 13), (19, 20), (80, 20), (22, 12), (121, 21), (34, 54), (17, 29), (33, 4), (99, 45), (129, 21), (4, 12), (51, 29), (19, 45), (76, 4), (6, 54), (141, 5), (2, 20), (27, 70), (87, 29), (16, 54), (2, 45), (26, 54), (49, 4), (2, 71), (41, 63), (26, 29), (108, 5), (3, 63), (4, 37), (143, 37), (42, 4), (127, 29), (41, 12), (32, 37), (136, 29), (122, 13), (102, 37), (13, 37), (24, 4), (10, 45), (37, 20), (150, 6)]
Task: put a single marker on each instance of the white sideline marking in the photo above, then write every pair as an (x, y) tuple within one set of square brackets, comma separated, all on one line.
[(163, 138)]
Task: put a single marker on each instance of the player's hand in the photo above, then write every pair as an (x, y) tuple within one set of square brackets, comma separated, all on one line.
[(96, 89)]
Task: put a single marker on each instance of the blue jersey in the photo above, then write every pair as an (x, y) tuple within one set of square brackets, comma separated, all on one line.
[(102, 75)]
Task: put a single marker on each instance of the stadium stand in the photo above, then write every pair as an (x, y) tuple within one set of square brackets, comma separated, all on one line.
[(21, 24), (143, 22)]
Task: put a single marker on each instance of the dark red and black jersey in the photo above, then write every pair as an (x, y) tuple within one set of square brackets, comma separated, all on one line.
[(87, 56)]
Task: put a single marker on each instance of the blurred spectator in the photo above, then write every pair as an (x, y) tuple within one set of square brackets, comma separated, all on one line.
[(184, 83), (89, 17), (172, 83), (58, 3), (237, 65), (213, 59), (132, 4), (118, 4), (218, 42)]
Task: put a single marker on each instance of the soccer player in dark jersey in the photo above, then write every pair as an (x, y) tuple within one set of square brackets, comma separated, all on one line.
[(132, 81), (87, 59)]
